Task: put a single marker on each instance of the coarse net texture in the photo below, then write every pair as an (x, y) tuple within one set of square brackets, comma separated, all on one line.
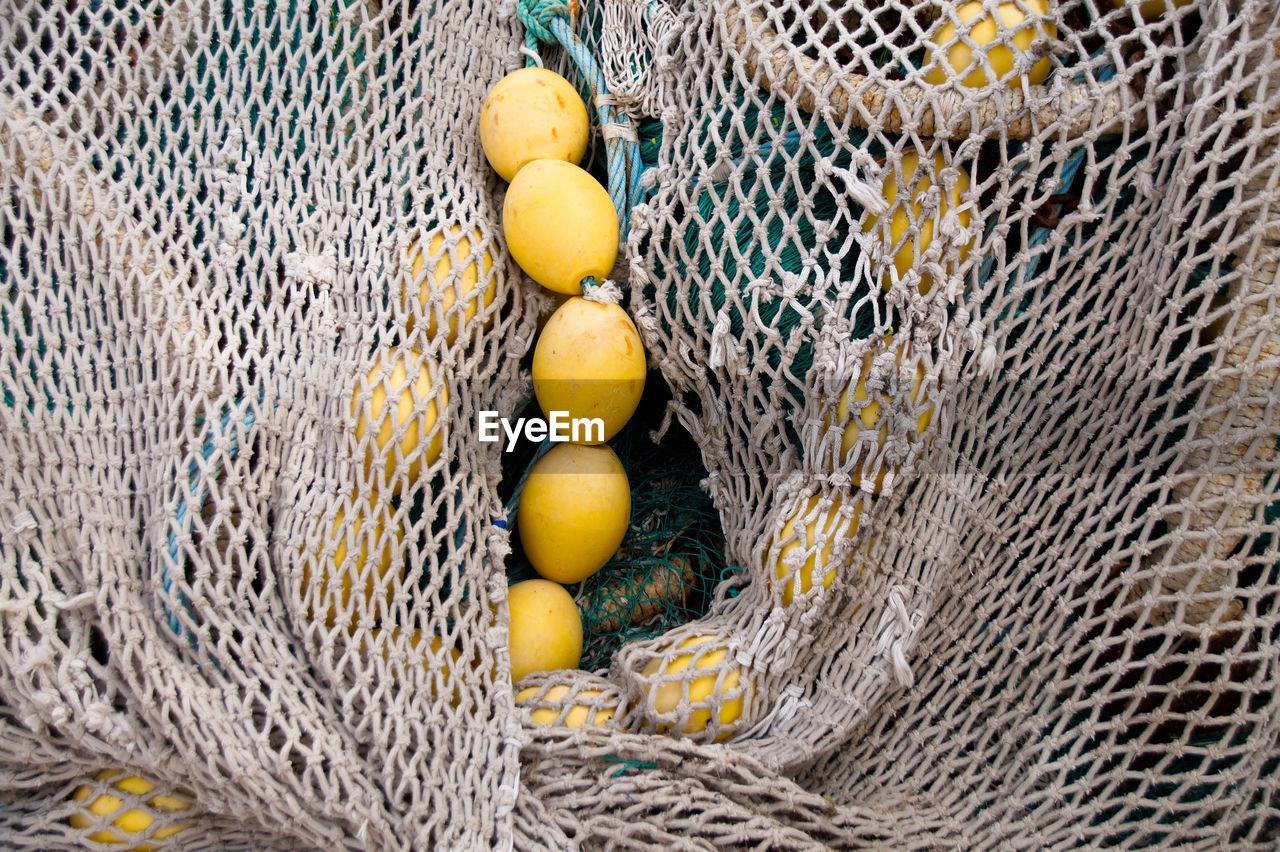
[(1046, 500), (984, 379), (246, 525)]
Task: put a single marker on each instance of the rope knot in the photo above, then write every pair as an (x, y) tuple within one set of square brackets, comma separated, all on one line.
[(896, 633), (537, 15), (605, 292)]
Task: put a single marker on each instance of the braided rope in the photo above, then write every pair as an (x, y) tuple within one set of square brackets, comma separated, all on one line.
[(537, 17), (548, 22)]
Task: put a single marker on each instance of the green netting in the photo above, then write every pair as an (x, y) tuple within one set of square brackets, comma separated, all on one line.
[(776, 161)]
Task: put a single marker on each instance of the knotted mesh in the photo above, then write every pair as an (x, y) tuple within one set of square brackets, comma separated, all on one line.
[(211, 215), (983, 378)]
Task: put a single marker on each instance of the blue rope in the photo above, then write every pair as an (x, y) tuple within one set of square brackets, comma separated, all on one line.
[(537, 17), (547, 22)]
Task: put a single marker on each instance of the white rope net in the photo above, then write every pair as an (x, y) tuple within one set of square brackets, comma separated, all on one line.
[(208, 219), (985, 379)]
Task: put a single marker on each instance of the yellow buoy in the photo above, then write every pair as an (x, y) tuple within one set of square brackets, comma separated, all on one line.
[(589, 362), (816, 540), (343, 572), (578, 713), (907, 213), (560, 225), (983, 30), (395, 401), (532, 114), (131, 820), (729, 696), (463, 289), (870, 418), (545, 630), (574, 511)]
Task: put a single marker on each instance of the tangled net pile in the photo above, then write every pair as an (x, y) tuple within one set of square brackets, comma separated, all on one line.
[(1050, 618)]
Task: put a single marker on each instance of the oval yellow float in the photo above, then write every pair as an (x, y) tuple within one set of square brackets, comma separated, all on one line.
[(668, 692), (904, 214), (132, 820), (578, 713), (532, 114), (463, 289), (574, 511), (589, 362), (560, 225), (394, 402), (545, 629), (982, 29), (817, 538)]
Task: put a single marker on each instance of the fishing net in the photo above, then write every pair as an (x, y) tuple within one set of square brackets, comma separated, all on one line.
[(243, 552), (980, 382)]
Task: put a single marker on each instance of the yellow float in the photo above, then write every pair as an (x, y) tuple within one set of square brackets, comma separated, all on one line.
[(127, 821), (904, 214), (532, 114), (667, 691), (394, 402), (574, 511), (560, 225), (981, 28), (577, 715), (589, 362), (817, 538), (545, 629), (462, 289)]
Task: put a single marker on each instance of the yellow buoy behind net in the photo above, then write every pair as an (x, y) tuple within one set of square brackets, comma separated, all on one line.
[(723, 694), (578, 714), (127, 821)]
